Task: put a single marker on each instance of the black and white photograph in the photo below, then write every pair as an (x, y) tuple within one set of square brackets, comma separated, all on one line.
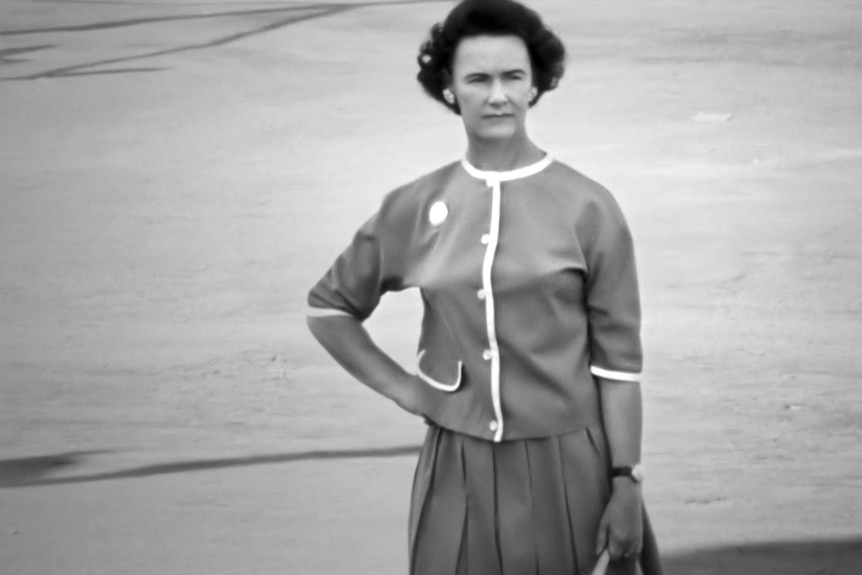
[(431, 287)]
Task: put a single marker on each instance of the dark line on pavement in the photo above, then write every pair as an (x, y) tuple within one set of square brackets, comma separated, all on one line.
[(72, 70), (318, 11), (156, 19), (113, 71), (16, 480), (134, 4), (4, 54), (25, 469)]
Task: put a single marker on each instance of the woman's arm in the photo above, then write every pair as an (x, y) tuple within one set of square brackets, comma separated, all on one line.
[(621, 528), (349, 343), (622, 414)]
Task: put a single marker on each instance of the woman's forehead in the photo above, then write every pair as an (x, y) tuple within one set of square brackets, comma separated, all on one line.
[(490, 54)]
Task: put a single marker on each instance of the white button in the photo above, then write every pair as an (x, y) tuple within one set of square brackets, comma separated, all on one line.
[(485, 239), (481, 294), (493, 425), (486, 355), (438, 213)]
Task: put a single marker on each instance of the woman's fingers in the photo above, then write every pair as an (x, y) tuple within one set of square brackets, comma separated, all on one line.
[(632, 551), (621, 526), (622, 545), (602, 538), (617, 547)]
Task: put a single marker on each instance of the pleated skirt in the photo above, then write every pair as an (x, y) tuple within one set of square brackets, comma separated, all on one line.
[(529, 507)]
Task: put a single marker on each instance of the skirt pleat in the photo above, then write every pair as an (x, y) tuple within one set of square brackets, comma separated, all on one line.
[(526, 507), (441, 516), (553, 544), (423, 479), (483, 555), (514, 508)]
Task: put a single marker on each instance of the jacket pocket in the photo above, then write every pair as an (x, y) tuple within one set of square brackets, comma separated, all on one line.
[(448, 386)]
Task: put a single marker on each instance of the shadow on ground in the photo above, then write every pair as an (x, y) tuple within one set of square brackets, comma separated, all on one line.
[(828, 557), (824, 557), (36, 471), (23, 471)]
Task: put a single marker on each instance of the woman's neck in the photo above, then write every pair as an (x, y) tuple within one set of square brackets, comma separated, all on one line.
[(503, 156)]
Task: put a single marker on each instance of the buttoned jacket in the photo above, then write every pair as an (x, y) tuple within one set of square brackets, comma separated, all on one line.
[(529, 288)]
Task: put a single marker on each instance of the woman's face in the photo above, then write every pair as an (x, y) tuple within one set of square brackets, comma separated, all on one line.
[(492, 81)]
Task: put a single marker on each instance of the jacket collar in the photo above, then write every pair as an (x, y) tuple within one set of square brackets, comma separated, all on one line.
[(508, 175)]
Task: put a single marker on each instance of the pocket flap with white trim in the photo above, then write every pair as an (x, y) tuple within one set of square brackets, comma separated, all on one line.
[(442, 377)]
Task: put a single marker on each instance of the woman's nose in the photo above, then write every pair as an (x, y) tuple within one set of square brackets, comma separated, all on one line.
[(498, 95)]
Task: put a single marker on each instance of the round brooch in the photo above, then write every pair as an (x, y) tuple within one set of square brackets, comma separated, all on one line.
[(438, 213)]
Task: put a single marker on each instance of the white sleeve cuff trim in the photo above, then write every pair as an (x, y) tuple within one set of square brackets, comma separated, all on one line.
[(321, 312), (617, 375)]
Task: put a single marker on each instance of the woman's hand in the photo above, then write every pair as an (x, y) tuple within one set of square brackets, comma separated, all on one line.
[(349, 343), (621, 527)]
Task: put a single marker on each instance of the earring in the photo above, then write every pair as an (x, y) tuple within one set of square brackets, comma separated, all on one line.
[(448, 96)]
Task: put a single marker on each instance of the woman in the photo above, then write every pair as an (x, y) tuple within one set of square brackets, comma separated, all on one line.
[(530, 354)]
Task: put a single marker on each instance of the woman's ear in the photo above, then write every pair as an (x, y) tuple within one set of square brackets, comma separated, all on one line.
[(448, 94)]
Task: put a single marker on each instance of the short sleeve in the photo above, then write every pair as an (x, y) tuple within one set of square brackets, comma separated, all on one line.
[(369, 267), (612, 298)]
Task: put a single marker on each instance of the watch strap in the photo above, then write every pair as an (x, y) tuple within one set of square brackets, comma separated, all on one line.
[(632, 472)]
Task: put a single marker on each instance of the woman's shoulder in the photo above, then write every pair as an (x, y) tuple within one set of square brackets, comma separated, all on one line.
[(427, 182), (577, 184), (417, 192), (583, 194)]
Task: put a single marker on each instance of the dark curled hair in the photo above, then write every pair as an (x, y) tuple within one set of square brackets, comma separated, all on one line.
[(491, 18)]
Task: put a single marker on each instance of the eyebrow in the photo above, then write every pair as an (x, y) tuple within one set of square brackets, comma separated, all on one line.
[(504, 73)]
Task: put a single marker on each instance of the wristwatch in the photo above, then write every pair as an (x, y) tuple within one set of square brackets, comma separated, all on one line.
[(635, 473)]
